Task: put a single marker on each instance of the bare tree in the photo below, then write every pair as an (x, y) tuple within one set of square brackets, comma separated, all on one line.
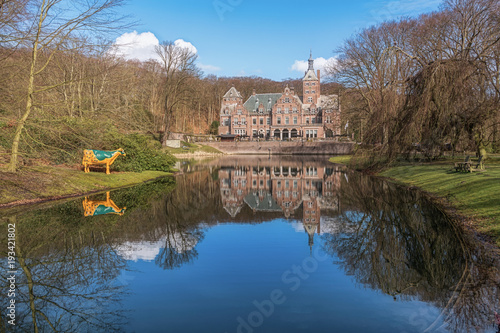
[(178, 69), (54, 24)]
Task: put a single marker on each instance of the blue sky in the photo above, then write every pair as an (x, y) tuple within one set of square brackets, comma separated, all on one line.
[(269, 38)]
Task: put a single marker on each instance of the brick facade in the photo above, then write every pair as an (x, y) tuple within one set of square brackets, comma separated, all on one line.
[(284, 115)]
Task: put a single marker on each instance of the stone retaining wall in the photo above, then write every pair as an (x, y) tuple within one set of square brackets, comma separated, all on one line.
[(283, 148)]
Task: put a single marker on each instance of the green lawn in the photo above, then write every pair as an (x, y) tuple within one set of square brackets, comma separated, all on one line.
[(191, 148), (43, 182), (475, 195)]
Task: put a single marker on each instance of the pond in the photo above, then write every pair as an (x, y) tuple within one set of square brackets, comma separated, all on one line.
[(246, 244)]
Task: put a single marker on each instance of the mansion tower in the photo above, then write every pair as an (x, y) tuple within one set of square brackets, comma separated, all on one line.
[(282, 115)]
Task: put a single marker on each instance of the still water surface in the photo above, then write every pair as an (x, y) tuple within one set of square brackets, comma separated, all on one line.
[(249, 245)]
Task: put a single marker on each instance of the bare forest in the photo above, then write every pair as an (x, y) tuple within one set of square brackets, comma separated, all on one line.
[(62, 88), (426, 85)]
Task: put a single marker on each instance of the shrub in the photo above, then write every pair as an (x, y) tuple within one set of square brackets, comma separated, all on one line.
[(142, 153)]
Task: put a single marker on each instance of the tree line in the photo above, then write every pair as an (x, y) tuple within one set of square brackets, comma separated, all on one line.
[(62, 87), (425, 84)]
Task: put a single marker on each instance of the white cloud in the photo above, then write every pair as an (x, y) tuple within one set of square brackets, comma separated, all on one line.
[(141, 46), (134, 45), (186, 45), (208, 68), (319, 63)]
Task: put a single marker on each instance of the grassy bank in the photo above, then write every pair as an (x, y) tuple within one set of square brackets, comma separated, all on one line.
[(38, 183), (192, 148), (475, 195)]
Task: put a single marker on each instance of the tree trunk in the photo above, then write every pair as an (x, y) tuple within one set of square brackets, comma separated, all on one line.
[(29, 102)]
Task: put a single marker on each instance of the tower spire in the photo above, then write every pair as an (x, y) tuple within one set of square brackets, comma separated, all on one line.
[(311, 62)]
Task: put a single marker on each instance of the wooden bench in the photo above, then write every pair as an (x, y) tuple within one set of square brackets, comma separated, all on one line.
[(463, 166), (469, 166), (478, 166)]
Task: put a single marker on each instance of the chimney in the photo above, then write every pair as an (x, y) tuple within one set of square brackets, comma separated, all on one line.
[(319, 79), (253, 92)]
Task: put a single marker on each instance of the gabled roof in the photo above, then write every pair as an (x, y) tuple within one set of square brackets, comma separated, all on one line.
[(232, 93), (268, 100), (310, 76)]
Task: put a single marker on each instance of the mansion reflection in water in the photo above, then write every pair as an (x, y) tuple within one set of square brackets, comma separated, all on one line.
[(293, 189)]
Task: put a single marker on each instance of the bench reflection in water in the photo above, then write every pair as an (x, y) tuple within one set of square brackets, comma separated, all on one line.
[(101, 207)]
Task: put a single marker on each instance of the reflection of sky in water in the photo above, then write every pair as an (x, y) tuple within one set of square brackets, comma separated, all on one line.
[(147, 250), (241, 263)]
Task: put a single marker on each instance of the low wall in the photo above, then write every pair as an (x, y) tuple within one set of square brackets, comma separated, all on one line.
[(283, 147)]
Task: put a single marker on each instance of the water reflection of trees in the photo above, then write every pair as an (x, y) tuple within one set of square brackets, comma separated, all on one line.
[(68, 268), (397, 242), (65, 281)]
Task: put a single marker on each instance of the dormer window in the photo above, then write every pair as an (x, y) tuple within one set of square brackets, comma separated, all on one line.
[(287, 100)]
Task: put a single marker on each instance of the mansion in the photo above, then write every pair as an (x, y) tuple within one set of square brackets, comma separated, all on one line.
[(283, 115)]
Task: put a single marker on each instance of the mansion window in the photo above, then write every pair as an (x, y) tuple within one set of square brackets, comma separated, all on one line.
[(313, 120), (287, 120), (307, 120), (294, 110), (287, 100), (287, 110), (307, 91), (239, 111), (254, 121), (295, 120), (243, 121), (261, 121), (261, 110), (310, 100), (268, 121), (279, 110), (307, 83), (314, 91), (278, 120), (314, 83)]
